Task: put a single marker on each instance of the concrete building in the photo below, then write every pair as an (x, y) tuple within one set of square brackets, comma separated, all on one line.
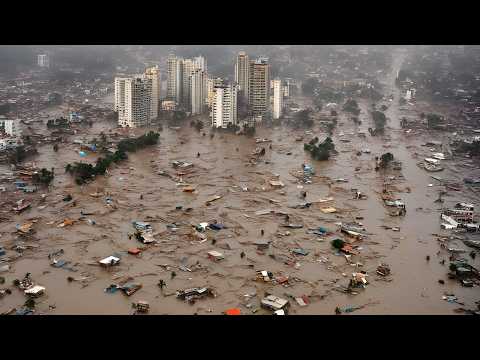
[(153, 74), (174, 78), (259, 87), (200, 62), (242, 74), (43, 60), (278, 92), (198, 91), (137, 102), (168, 105), (224, 108), (13, 128), (119, 105), (187, 70), (211, 84)]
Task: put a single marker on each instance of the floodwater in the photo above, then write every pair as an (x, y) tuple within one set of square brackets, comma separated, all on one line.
[(223, 169)]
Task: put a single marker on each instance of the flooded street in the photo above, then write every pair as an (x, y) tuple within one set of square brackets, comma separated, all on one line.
[(141, 192)]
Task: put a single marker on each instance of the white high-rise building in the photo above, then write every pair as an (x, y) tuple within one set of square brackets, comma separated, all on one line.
[(153, 74), (120, 95), (187, 70), (13, 128), (278, 92), (242, 69), (43, 60), (137, 108), (259, 87), (200, 62), (211, 84), (174, 78), (224, 107), (198, 91), (179, 84)]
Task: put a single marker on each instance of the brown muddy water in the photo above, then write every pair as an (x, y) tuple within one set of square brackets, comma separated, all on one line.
[(223, 169)]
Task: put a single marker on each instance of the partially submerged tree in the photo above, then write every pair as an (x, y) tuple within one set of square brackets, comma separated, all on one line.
[(351, 106), (320, 151), (379, 119), (43, 177), (385, 160)]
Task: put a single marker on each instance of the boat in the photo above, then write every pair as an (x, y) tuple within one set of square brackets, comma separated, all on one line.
[(433, 168)]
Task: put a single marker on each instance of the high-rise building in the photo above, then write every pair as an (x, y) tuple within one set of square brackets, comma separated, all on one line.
[(153, 74), (211, 84), (277, 98), (259, 87), (242, 73), (119, 95), (135, 108), (187, 70), (198, 91), (174, 78), (224, 107), (200, 62), (43, 60)]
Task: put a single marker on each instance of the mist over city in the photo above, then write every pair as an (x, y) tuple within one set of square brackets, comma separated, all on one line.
[(239, 179)]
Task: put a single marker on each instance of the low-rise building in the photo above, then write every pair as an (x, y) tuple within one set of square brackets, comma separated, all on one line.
[(168, 105), (13, 128)]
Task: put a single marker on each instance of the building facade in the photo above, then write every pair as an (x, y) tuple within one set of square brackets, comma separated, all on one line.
[(119, 94), (43, 60), (242, 74), (13, 128), (174, 78), (211, 84), (224, 107), (198, 91), (137, 102), (153, 74), (200, 62), (278, 92), (259, 87)]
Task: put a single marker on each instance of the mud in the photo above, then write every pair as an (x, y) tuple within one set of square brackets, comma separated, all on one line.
[(223, 169)]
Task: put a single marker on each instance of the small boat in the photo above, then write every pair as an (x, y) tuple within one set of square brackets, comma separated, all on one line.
[(433, 168)]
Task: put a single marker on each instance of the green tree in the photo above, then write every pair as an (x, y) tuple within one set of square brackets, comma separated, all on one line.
[(379, 119), (351, 106)]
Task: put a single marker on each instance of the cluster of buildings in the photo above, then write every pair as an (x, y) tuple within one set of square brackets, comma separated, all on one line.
[(137, 98), (191, 89)]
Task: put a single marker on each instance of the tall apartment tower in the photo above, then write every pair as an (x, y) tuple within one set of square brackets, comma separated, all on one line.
[(119, 95), (224, 107), (43, 60), (242, 73), (200, 62), (153, 74), (187, 70), (259, 87), (174, 78), (136, 102), (198, 91), (278, 92), (212, 83)]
